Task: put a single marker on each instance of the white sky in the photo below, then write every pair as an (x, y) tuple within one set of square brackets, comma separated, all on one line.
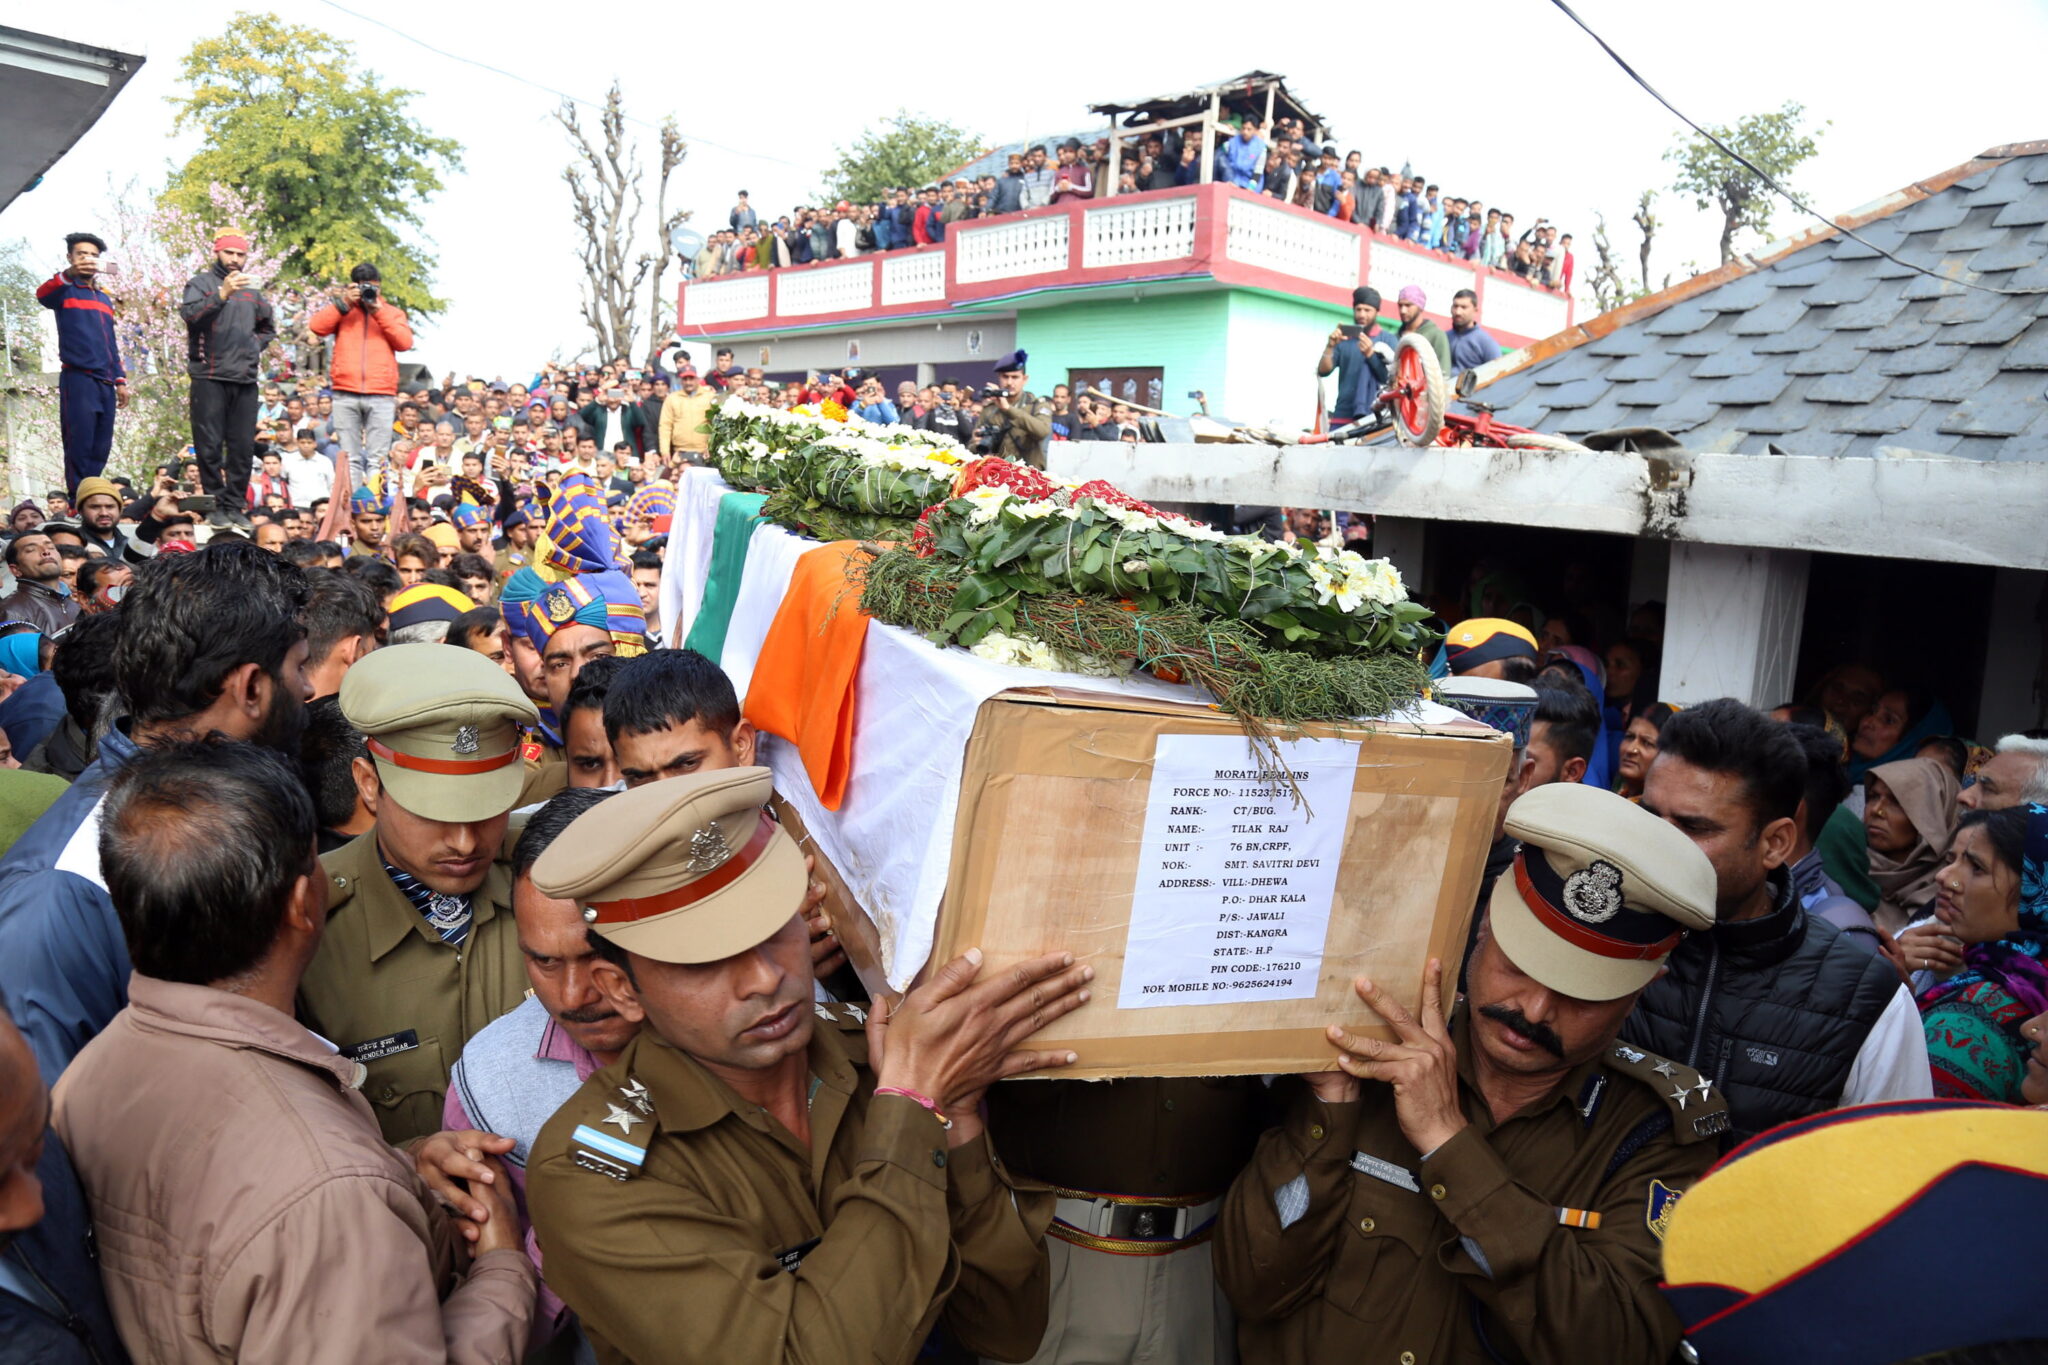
[(1507, 101)]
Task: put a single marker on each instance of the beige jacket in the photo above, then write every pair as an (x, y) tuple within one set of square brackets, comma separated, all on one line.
[(247, 1208)]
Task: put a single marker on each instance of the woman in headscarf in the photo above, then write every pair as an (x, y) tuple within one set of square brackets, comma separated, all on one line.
[(1639, 748), (1908, 810), (1993, 895), (1895, 728), (1632, 678)]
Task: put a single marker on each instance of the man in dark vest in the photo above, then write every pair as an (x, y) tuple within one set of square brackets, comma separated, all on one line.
[(1781, 1011)]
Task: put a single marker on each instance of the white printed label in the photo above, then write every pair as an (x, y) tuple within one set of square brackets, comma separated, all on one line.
[(1235, 880)]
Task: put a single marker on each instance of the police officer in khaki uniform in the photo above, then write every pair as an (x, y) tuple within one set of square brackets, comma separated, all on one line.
[(1139, 1167), (1494, 1187), (759, 1177), (1015, 423), (421, 950)]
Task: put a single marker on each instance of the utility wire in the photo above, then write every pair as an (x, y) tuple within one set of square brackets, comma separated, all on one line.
[(1757, 171), (550, 90)]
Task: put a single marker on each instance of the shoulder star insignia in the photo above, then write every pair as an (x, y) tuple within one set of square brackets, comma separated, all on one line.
[(637, 1096), (1665, 1069), (823, 1013), (1679, 1095), (1703, 1087), (860, 1016), (625, 1118)]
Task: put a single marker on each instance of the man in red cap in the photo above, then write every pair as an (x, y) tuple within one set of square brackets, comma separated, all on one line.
[(227, 326)]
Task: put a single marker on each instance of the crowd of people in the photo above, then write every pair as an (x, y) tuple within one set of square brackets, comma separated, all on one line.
[(400, 959), (1288, 165)]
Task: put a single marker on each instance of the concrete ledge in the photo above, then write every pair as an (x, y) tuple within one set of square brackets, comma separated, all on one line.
[(1908, 507)]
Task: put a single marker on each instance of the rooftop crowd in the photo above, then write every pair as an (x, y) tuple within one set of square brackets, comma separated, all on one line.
[(399, 961), (1285, 164)]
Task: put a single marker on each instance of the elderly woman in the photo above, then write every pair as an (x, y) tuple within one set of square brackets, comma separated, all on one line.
[(1639, 748), (1908, 810), (1992, 896)]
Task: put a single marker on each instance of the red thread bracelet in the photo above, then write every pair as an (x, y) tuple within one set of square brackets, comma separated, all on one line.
[(930, 1106)]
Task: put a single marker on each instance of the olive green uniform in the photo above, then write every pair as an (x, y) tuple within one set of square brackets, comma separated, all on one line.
[(1029, 424), (388, 992), (1140, 1167), (509, 561), (1535, 1240), (684, 1224)]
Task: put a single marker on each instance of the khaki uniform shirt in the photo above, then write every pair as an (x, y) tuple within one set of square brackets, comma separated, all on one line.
[(1170, 1137), (387, 991), (1030, 424), (705, 1232), (511, 560), (1341, 1242)]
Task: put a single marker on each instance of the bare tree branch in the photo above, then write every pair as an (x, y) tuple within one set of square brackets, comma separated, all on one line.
[(605, 203), (673, 150)]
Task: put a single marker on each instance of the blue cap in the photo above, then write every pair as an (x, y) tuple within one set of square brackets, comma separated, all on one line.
[(1013, 361)]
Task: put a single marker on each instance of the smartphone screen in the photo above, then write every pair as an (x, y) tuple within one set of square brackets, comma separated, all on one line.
[(502, 423), (1350, 330)]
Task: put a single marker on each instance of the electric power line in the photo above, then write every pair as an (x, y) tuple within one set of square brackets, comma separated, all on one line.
[(550, 90), (1759, 173)]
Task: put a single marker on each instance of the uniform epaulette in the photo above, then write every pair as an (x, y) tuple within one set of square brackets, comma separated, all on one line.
[(1697, 1108), (595, 1147)]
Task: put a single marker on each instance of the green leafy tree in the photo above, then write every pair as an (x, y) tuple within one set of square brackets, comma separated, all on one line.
[(1776, 143), (339, 165), (903, 149)]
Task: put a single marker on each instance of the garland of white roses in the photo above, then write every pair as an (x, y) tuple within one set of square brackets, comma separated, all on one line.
[(1344, 577)]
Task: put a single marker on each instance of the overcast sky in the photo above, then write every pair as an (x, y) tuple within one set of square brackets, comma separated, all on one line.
[(1501, 99)]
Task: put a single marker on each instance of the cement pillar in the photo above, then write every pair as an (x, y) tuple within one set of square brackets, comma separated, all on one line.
[(1732, 623), (1402, 540)]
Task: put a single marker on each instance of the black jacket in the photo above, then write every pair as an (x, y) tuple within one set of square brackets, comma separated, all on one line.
[(224, 339), (1772, 1010)]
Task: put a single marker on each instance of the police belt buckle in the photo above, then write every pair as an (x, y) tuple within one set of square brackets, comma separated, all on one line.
[(1132, 1226)]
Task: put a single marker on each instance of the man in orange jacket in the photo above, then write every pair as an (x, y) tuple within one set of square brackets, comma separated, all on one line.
[(368, 333)]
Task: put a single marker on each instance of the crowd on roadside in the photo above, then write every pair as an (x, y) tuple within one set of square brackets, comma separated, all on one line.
[(1288, 165), (393, 839)]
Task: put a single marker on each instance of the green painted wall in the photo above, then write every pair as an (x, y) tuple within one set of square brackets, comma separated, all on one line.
[(1184, 334), (1275, 342), (1254, 354)]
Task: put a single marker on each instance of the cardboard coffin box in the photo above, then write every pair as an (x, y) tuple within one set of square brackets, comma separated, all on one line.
[(1225, 920)]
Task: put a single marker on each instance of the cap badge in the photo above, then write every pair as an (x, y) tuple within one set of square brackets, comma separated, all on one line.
[(708, 850), (559, 605), (1593, 894), (466, 739)]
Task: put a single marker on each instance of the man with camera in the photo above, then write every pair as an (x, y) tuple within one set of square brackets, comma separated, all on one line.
[(1014, 421), (368, 334), (1359, 356), (228, 323)]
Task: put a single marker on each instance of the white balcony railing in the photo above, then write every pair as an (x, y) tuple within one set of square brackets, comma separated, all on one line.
[(1022, 246), (1135, 238), (1295, 244), (1133, 233), (707, 303), (832, 289), (913, 277)]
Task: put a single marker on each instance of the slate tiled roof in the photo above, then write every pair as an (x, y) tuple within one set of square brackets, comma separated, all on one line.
[(1827, 347)]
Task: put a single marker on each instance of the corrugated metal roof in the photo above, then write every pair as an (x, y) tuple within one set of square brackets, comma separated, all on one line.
[(1825, 347)]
